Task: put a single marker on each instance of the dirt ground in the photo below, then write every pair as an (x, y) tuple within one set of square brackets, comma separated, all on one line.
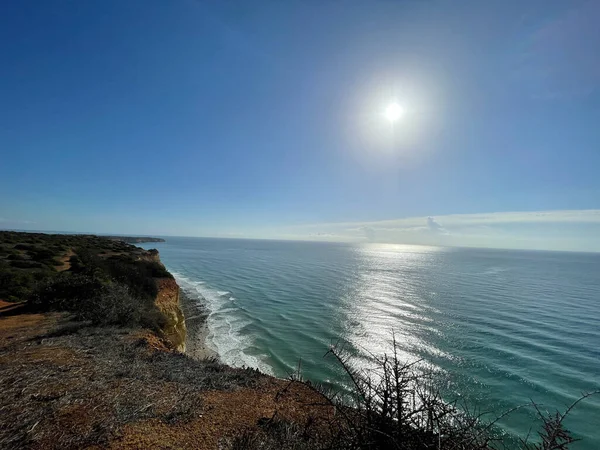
[(69, 385)]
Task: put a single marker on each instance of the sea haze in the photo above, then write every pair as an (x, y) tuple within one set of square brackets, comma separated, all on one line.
[(499, 327)]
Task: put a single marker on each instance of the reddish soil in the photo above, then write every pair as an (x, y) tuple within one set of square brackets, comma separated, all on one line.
[(67, 385), (8, 308), (65, 260)]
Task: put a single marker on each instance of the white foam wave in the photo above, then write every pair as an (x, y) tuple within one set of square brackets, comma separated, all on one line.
[(224, 324)]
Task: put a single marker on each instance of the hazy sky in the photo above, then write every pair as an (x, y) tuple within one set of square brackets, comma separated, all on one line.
[(265, 119)]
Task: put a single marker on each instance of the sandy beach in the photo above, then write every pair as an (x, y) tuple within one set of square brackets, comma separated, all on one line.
[(197, 330)]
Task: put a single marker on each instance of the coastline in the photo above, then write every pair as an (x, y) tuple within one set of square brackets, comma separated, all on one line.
[(114, 371), (195, 314)]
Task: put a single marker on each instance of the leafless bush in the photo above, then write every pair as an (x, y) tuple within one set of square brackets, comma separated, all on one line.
[(395, 406), (276, 434), (553, 434)]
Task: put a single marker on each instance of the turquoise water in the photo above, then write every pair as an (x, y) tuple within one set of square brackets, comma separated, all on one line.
[(502, 326)]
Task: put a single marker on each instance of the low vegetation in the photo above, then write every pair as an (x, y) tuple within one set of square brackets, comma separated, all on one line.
[(101, 280), (395, 406)]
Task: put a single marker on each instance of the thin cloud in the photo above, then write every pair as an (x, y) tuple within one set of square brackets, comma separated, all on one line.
[(561, 216), (435, 227), (559, 230), (369, 233)]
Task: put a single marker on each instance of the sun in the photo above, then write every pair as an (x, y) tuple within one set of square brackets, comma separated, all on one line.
[(393, 112)]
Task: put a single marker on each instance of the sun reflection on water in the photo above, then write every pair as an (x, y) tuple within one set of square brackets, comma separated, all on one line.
[(386, 300)]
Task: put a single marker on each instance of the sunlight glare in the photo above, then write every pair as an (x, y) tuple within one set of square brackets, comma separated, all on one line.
[(393, 112)]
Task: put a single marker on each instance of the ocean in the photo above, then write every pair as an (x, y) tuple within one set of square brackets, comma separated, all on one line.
[(502, 327)]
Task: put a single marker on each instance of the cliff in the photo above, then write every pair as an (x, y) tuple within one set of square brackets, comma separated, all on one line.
[(93, 358), (167, 302)]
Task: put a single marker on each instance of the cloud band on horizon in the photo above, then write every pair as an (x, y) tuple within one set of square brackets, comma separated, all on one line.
[(577, 230)]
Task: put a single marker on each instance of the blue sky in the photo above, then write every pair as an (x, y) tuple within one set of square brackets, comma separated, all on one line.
[(265, 119)]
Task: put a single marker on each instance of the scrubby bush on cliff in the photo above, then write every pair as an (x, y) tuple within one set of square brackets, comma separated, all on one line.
[(91, 298), (112, 304), (394, 406), (138, 275), (390, 406), (64, 292), (17, 284), (26, 258)]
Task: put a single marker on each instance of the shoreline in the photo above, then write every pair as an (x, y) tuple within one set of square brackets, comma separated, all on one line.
[(111, 371), (195, 314)]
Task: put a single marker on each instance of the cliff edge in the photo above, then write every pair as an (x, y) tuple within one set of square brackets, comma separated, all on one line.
[(167, 301), (91, 342)]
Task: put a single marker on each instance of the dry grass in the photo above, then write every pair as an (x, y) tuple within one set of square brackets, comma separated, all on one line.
[(68, 385)]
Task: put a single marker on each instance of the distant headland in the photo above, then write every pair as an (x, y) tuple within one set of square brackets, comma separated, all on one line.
[(134, 239)]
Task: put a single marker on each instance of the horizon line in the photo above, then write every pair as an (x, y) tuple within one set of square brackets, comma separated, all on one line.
[(312, 241)]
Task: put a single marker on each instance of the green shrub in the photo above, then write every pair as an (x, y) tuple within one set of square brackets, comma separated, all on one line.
[(64, 292), (25, 264), (112, 304), (116, 290), (101, 302), (51, 262), (42, 254), (24, 247), (137, 275), (17, 257), (17, 284)]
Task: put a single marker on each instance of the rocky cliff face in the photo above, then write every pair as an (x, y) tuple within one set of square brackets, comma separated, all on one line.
[(150, 255), (167, 302)]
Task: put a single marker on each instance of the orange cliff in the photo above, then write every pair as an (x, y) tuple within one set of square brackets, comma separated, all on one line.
[(167, 301)]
